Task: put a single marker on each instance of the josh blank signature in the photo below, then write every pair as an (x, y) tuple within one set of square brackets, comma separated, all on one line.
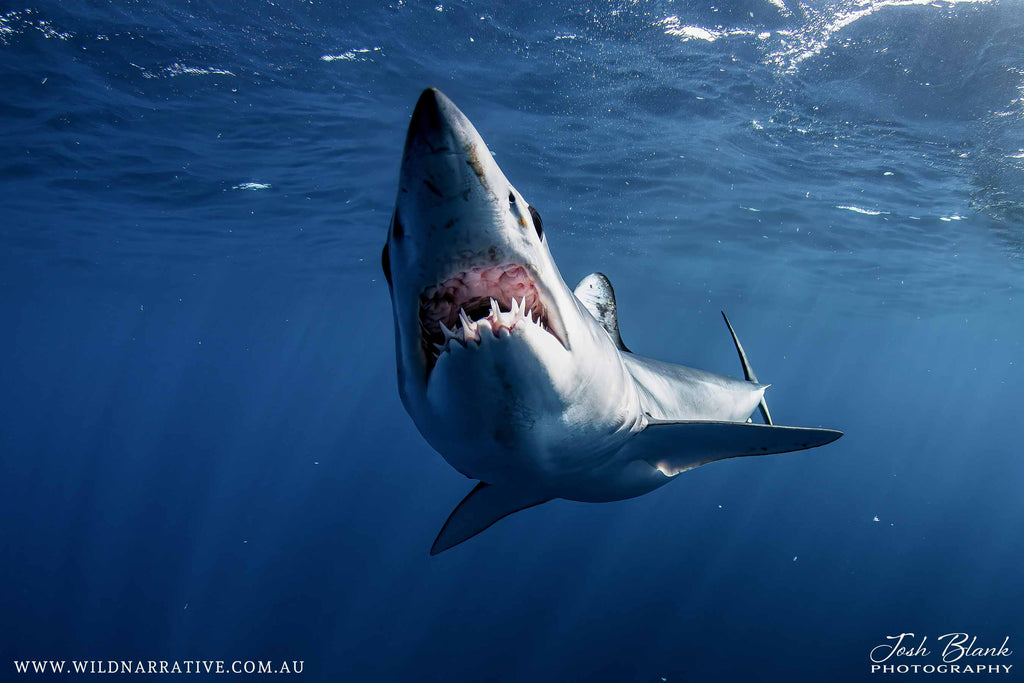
[(955, 646)]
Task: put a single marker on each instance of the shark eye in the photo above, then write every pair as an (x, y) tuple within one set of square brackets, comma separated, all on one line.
[(537, 223), (512, 198), (385, 262)]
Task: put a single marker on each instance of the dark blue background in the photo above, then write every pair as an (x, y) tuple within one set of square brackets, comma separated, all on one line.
[(203, 452)]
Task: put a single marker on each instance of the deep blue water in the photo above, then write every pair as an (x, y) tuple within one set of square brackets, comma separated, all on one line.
[(202, 447)]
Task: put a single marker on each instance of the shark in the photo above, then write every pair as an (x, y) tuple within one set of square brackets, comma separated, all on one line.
[(519, 382)]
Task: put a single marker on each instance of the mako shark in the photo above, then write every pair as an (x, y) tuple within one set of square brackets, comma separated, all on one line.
[(520, 382)]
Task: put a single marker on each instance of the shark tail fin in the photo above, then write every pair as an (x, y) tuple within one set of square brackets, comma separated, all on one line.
[(484, 506), (748, 371)]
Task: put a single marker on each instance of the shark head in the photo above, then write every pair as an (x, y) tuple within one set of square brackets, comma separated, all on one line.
[(490, 341)]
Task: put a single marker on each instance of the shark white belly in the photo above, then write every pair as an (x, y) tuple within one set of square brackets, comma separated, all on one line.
[(519, 382)]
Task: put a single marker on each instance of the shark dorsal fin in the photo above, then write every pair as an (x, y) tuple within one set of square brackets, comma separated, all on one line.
[(597, 296)]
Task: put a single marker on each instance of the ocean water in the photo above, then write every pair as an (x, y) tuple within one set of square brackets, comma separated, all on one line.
[(203, 452)]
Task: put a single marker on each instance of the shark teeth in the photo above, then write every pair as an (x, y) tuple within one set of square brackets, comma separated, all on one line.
[(501, 295), (469, 328), (452, 334), (497, 322)]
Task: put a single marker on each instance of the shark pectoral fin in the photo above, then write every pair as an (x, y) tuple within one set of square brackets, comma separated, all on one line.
[(597, 296), (484, 506), (675, 447)]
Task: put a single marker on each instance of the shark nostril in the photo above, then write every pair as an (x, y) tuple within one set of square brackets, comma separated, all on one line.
[(397, 230)]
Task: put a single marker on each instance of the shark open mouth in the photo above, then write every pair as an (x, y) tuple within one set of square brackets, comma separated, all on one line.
[(482, 300)]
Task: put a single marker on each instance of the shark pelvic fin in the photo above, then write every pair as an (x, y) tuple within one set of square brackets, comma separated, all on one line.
[(675, 447), (748, 371), (484, 506), (597, 296)]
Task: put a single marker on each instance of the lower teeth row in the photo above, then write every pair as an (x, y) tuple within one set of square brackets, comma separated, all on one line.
[(496, 320)]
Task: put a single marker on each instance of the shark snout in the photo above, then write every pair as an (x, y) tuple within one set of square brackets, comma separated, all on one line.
[(445, 158), (438, 127), (432, 120)]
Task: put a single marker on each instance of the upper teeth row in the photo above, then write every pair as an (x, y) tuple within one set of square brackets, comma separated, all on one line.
[(495, 321)]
